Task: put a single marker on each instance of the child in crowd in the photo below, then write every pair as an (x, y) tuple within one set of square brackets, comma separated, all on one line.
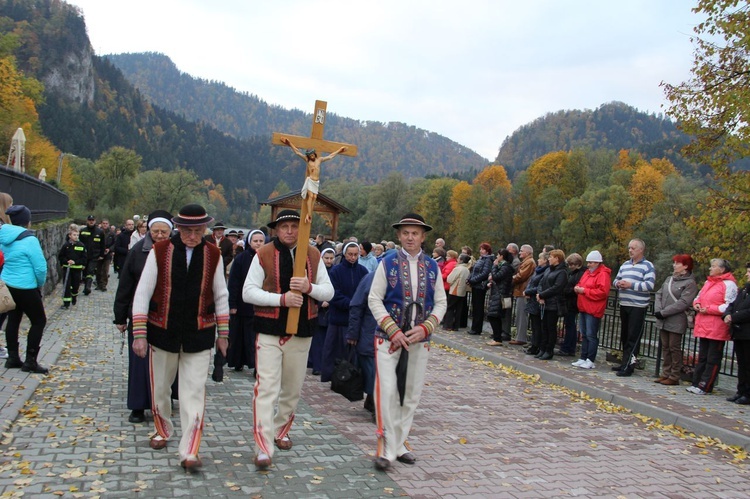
[(72, 257)]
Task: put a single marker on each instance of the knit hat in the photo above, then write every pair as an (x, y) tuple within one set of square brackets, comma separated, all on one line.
[(160, 216), (594, 256), (19, 215), (192, 215)]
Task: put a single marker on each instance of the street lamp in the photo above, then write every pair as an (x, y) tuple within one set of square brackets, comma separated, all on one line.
[(60, 165)]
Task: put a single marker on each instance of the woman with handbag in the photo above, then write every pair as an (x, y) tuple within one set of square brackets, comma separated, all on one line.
[(671, 305), (24, 272), (501, 300)]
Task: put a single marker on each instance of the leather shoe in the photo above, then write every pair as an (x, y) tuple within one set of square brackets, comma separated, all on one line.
[(192, 464), (532, 351), (283, 443), (670, 382), (157, 443), (262, 461), (539, 355), (407, 458), (137, 416), (516, 342), (382, 464), (473, 333), (734, 397), (744, 400), (617, 368), (546, 356), (624, 372), (660, 379)]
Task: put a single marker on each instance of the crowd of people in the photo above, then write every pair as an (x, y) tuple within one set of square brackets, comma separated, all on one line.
[(189, 290)]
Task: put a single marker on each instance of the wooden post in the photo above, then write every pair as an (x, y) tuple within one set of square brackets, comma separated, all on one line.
[(315, 141)]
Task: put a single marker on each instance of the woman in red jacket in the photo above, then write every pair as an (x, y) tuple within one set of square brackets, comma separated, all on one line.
[(719, 291), (592, 290)]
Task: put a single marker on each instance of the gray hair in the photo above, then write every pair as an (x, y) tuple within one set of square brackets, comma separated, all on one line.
[(722, 263), (513, 248), (528, 249)]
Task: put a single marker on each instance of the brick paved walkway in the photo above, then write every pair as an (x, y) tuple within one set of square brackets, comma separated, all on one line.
[(481, 430)]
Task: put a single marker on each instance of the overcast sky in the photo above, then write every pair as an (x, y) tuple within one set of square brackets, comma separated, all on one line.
[(473, 71)]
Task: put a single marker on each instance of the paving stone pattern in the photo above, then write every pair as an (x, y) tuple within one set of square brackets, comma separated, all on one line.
[(481, 430)]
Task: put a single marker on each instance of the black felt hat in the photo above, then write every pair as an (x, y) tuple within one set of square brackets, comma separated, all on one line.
[(219, 226), (283, 216), (412, 219), (192, 214)]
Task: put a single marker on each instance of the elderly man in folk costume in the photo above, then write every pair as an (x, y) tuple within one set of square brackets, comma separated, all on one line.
[(180, 302), (408, 302), (281, 359)]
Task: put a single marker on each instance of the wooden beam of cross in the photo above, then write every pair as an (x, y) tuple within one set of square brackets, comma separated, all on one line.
[(316, 142)]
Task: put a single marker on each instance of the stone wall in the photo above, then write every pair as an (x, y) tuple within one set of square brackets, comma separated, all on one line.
[(51, 237)]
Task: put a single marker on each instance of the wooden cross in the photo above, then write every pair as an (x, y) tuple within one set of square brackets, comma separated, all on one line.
[(315, 141)]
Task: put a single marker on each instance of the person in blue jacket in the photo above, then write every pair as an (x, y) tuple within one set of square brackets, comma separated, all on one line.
[(345, 277), (361, 333), (24, 272)]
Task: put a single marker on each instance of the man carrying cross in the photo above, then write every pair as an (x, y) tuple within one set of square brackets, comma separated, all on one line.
[(312, 182), (281, 358)]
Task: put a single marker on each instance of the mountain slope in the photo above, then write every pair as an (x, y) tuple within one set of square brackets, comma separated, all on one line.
[(611, 126), (383, 148)]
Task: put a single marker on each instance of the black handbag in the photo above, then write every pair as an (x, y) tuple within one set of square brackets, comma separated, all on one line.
[(347, 379)]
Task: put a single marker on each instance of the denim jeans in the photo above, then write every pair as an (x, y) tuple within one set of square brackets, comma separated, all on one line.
[(590, 336), (571, 333)]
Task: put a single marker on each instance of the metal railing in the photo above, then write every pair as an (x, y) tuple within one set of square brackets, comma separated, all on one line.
[(45, 201), (609, 337)]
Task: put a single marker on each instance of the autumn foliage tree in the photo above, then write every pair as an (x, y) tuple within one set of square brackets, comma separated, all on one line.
[(713, 107)]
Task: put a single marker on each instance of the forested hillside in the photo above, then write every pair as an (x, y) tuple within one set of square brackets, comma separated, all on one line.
[(383, 147), (613, 126)]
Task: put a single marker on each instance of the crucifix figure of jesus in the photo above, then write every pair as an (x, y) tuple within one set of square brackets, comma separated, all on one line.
[(311, 187), (312, 182)]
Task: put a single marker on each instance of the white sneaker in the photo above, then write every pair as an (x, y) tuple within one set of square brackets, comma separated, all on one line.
[(695, 390), (587, 364), (3, 353), (578, 363)]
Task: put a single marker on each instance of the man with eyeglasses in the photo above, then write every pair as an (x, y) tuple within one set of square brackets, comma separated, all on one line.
[(180, 302)]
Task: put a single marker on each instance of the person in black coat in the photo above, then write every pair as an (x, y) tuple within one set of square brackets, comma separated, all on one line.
[(551, 299), (532, 306), (478, 282), (121, 245), (139, 384), (501, 288), (738, 317), (575, 271), (241, 333)]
